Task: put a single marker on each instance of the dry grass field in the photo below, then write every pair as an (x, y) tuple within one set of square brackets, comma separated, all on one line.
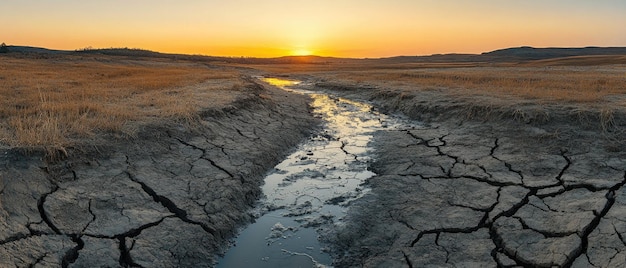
[(53, 103), (543, 84), (589, 90), (60, 101), (590, 79)]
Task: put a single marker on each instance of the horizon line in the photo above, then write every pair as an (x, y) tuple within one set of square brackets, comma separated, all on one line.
[(89, 48)]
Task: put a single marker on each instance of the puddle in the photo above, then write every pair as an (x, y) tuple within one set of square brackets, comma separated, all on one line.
[(312, 187)]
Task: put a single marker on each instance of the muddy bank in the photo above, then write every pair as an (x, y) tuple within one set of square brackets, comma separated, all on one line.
[(486, 190), (172, 197), (431, 105)]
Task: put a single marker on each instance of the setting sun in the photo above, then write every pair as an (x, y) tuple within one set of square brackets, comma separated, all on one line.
[(301, 52), (349, 28)]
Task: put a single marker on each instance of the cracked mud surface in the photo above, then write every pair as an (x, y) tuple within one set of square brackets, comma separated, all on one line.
[(171, 198), (479, 194)]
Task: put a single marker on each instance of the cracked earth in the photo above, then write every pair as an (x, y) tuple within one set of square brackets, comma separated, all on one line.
[(475, 194), (171, 198), (451, 193)]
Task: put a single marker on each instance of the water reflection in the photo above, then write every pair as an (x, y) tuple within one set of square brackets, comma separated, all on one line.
[(312, 187), (280, 82)]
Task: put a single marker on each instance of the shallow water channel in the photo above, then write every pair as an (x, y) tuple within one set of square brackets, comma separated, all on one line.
[(313, 187)]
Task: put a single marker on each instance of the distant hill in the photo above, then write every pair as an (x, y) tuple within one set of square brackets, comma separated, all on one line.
[(122, 52), (516, 54), (531, 53), (27, 49), (432, 58)]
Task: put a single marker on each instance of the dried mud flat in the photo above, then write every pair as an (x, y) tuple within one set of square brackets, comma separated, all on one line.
[(170, 198), (484, 192)]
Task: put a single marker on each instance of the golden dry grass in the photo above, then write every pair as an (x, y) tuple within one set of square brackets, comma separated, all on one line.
[(581, 61), (543, 81), (54, 103), (59, 101), (590, 88), (545, 84)]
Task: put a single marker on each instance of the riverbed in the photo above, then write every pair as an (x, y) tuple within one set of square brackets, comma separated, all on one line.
[(313, 187)]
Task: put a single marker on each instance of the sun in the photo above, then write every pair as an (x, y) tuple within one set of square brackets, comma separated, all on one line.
[(301, 52)]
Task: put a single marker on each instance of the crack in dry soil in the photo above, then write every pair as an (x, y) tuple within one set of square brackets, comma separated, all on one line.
[(405, 169), (172, 193), (465, 192)]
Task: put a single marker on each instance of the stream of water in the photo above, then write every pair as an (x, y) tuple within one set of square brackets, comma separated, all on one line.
[(312, 187)]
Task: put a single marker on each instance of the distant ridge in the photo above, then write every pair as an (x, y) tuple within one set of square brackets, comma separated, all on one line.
[(27, 49), (121, 52), (531, 53), (515, 54), (136, 52)]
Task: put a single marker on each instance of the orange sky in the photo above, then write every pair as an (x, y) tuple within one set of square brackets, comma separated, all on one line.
[(344, 28)]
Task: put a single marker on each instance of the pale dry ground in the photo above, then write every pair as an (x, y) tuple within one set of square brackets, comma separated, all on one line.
[(53, 103)]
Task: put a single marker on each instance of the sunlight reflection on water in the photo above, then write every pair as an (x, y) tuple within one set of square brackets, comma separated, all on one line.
[(312, 187), (280, 82)]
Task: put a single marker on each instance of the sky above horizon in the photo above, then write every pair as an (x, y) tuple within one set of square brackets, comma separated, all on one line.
[(341, 28)]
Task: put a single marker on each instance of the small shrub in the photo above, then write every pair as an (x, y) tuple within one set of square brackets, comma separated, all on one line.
[(4, 48)]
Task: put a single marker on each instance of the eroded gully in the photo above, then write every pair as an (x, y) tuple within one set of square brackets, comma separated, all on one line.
[(312, 188)]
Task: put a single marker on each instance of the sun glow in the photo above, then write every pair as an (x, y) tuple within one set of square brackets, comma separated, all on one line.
[(301, 52), (323, 28)]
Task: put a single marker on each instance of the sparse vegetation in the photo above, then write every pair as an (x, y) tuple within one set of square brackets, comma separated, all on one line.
[(4, 48), (55, 103), (535, 80), (543, 84)]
